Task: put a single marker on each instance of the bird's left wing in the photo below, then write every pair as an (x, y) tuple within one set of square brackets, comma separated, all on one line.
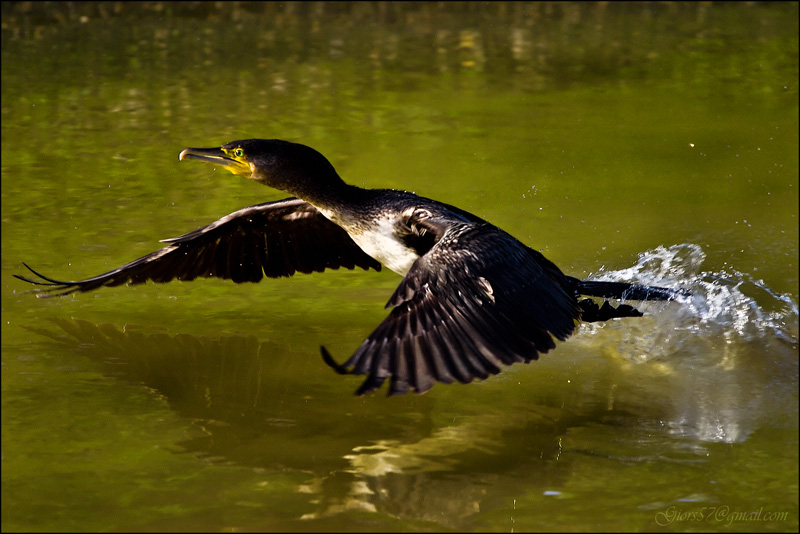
[(476, 300), (273, 239)]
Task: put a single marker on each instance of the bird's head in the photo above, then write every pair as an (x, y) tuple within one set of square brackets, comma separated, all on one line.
[(290, 167)]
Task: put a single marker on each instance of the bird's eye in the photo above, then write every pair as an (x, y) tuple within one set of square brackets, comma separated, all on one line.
[(238, 152)]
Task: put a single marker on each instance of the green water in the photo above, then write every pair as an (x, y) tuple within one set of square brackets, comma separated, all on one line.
[(595, 133)]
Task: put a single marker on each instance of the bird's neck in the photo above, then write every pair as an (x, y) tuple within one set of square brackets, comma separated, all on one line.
[(331, 195)]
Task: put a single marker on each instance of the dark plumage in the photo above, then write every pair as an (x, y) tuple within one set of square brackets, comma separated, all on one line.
[(473, 298)]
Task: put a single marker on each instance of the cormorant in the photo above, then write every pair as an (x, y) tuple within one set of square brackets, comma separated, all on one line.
[(473, 298)]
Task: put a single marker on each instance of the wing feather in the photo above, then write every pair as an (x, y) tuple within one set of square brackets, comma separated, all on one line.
[(463, 311), (273, 239)]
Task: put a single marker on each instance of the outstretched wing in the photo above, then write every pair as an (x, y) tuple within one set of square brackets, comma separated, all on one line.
[(273, 239), (476, 300)]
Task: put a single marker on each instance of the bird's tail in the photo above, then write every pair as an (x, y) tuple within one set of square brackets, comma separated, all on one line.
[(591, 311), (624, 290)]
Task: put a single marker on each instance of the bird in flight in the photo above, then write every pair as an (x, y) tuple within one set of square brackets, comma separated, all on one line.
[(472, 298)]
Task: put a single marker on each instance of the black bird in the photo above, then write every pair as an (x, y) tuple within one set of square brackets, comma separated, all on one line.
[(472, 299)]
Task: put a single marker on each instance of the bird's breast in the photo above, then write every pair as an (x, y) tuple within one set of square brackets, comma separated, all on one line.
[(381, 241), (379, 238)]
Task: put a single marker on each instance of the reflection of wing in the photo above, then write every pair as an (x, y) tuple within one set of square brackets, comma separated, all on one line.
[(273, 239), (476, 300)]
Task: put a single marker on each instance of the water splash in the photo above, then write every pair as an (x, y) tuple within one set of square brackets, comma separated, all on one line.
[(727, 352), (720, 301)]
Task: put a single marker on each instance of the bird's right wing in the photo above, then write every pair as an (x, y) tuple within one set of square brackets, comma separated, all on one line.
[(273, 239), (477, 300)]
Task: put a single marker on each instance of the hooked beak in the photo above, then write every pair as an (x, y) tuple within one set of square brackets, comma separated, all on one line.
[(216, 156)]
